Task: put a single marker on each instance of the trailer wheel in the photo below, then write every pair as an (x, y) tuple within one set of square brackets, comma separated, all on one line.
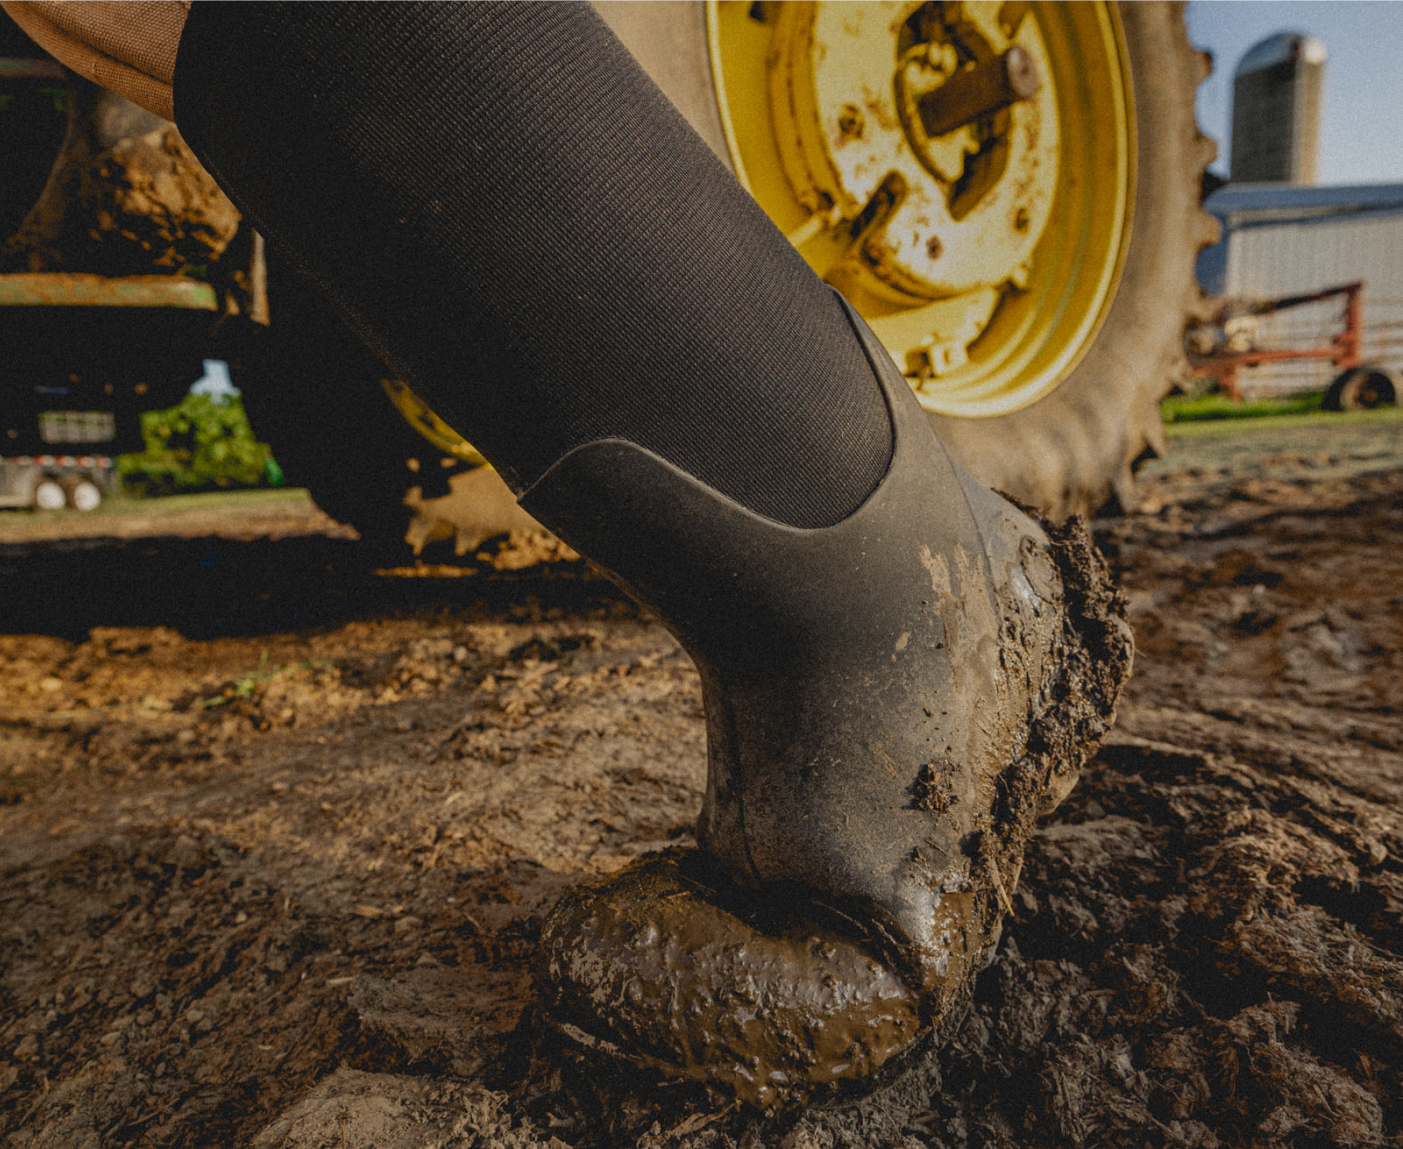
[(84, 495), (1362, 389), (48, 495)]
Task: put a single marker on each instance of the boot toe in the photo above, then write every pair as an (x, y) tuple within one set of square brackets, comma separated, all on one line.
[(668, 966)]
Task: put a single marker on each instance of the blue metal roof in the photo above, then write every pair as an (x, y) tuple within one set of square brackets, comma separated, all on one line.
[(1301, 201)]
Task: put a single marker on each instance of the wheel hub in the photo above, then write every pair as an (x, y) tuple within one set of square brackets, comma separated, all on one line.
[(940, 215), (917, 154)]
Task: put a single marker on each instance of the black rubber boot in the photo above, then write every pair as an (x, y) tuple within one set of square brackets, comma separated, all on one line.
[(890, 703)]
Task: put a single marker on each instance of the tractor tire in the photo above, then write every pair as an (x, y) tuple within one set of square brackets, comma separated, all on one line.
[(1072, 451)]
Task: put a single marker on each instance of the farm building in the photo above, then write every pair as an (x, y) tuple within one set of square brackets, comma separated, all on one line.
[(1284, 240)]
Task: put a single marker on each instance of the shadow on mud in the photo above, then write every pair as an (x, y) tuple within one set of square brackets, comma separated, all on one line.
[(215, 587)]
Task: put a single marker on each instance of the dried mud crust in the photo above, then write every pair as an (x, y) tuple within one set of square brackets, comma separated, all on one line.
[(1205, 946), (1092, 657)]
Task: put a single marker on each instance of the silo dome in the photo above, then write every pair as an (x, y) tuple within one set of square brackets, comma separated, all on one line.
[(1282, 48)]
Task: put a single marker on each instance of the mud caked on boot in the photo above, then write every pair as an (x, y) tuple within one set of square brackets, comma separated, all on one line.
[(890, 702)]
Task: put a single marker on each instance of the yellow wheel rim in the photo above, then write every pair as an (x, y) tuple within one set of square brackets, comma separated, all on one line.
[(421, 417), (985, 259)]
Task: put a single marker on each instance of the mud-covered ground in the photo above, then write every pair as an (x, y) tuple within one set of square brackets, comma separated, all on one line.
[(276, 834)]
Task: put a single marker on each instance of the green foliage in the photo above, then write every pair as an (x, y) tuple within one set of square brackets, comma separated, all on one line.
[(201, 443), (1188, 409)]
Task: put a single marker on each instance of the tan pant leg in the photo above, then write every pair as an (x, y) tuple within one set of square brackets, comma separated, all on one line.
[(126, 46)]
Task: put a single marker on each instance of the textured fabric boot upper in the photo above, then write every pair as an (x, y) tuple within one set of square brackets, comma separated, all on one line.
[(507, 209)]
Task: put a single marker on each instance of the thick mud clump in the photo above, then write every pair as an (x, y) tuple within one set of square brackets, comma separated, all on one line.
[(126, 196), (693, 980), (1093, 661)]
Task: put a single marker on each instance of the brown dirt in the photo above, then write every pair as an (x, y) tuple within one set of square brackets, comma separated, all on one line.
[(276, 834)]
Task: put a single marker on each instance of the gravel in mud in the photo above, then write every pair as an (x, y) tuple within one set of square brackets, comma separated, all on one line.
[(277, 834)]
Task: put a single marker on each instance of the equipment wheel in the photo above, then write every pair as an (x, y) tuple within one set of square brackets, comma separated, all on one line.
[(1362, 389), (1027, 256), (312, 393), (84, 495), (1075, 450), (370, 453), (48, 495)]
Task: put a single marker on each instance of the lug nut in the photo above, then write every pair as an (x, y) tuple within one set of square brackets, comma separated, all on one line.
[(980, 90), (851, 121), (942, 57)]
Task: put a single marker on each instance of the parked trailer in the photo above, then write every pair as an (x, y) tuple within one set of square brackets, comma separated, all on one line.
[(52, 482), (84, 356)]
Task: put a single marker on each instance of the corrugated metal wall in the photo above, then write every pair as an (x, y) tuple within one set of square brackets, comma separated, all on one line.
[(1269, 261)]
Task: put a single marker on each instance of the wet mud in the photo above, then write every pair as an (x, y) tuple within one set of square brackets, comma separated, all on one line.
[(667, 967), (126, 196), (280, 878)]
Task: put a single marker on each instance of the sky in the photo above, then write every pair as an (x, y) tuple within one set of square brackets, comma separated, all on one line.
[(1361, 137)]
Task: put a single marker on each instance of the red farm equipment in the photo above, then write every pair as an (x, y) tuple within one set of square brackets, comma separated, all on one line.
[(1221, 346)]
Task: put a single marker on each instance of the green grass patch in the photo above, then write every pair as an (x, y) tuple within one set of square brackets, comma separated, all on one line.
[(1207, 428), (1186, 409), (211, 500)]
